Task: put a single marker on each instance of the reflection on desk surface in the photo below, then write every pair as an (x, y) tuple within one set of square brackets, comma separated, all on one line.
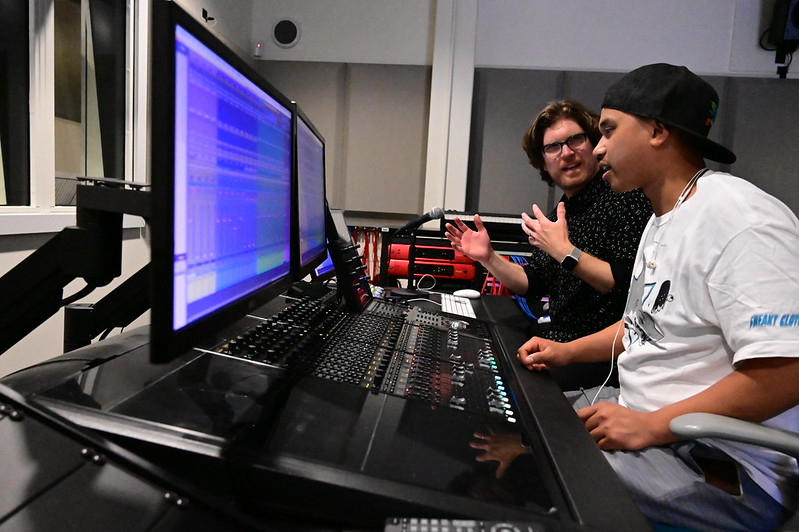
[(216, 405)]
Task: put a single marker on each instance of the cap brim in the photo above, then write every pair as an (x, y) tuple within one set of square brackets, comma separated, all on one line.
[(708, 148)]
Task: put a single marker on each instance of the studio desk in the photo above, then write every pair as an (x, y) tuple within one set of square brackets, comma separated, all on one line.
[(349, 419)]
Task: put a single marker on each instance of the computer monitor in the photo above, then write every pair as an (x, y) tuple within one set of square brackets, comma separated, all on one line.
[(310, 196), (221, 164)]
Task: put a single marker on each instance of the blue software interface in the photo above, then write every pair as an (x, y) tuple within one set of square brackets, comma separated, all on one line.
[(232, 184), (325, 268), (311, 192)]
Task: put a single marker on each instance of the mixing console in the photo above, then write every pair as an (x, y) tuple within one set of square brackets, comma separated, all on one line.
[(389, 347)]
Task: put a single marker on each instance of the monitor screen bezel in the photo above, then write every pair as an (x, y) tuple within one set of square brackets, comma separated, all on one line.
[(167, 343), (303, 269)]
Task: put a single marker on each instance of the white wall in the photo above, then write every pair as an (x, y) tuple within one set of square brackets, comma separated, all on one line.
[(396, 32), (709, 36), (232, 18)]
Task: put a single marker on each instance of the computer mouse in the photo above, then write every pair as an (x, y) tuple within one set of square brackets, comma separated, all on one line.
[(467, 292)]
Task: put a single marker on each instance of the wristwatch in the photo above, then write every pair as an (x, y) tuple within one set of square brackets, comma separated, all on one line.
[(570, 261)]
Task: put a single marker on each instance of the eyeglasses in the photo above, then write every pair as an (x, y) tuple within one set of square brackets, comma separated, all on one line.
[(575, 142)]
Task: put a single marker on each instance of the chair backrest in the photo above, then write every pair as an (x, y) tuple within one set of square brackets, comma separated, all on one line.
[(693, 426)]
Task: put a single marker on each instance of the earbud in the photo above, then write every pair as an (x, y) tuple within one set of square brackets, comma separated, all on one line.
[(649, 257)]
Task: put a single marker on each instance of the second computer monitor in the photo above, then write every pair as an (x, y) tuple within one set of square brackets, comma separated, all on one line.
[(311, 247)]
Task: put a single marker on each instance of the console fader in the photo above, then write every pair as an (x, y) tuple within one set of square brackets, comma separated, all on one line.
[(389, 348), (449, 361)]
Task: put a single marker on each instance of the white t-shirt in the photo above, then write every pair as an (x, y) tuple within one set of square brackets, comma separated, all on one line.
[(724, 288)]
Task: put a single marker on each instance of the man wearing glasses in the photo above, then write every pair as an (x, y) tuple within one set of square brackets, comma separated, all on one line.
[(709, 324), (583, 251)]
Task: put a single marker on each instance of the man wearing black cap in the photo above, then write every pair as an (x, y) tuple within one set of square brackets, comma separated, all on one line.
[(712, 317)]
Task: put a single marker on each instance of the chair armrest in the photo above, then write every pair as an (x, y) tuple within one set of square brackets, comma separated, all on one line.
[(693, 426)]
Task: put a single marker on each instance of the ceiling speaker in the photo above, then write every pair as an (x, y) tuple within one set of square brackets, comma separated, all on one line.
[(286, 33)]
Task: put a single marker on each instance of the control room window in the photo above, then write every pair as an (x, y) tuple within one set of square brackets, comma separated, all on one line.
[(90, 53), (14, 128)]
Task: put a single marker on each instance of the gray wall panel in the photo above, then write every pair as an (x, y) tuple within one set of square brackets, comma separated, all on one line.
[(387, 114), (374, 120), (506, 102), (765, 132), (318, 88), (588, 88)]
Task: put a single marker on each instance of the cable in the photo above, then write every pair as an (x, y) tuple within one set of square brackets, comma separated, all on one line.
[(521, 300), (789, 57), (763, 46), (424, 299), (525, 306), (86, 290), (612, 359), (419, 282)]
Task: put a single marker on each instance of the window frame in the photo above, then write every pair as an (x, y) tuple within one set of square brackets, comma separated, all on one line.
[(42, 215)]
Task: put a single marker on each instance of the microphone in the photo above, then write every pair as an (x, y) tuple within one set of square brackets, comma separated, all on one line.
[(434, 214)]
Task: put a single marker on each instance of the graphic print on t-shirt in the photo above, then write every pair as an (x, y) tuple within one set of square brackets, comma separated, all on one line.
[(663, 297), (640, 322)]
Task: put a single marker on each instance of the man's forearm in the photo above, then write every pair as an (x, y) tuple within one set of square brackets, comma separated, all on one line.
[(758, 390), (508, 273), (596, 272), (600, 346)]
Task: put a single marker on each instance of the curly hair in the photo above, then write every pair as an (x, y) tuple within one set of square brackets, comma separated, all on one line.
[(533, 141)]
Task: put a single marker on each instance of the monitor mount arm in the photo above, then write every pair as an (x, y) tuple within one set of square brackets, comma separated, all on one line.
[(92, 250), (85, 321)]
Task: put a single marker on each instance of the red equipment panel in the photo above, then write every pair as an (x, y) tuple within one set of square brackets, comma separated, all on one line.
[(428, 253), (441, 269)]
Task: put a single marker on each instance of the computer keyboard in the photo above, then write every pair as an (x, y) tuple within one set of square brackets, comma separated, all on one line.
[(457, 305)]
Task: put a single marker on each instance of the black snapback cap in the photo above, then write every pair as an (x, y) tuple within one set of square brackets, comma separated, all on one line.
[(675, 96)]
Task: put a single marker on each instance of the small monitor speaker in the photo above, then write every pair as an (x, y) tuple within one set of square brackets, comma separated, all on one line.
[(785, 22), (286, 33), (792, 24)]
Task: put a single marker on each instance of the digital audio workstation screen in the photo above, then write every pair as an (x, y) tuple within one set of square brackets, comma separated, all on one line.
[(311, 190), (232, 183)]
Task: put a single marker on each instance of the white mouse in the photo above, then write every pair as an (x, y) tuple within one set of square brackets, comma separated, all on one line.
[(467, 292)]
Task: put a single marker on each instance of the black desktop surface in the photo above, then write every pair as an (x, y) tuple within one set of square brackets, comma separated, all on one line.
[(301, 445)]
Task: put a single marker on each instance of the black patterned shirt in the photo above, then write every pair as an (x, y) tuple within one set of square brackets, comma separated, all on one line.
[(608, 226)]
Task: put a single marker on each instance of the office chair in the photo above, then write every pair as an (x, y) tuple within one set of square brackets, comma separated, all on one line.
[(693, 426)]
